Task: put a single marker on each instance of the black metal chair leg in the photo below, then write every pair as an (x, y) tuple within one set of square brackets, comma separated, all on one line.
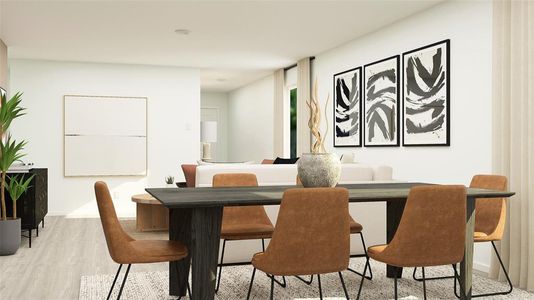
[(395, 279), (361, 282), (320, 288), (124, 281), (114, 281), (282, 284), (251, 282), (343, 285), (220, 267), (366, 257), (510, 285), (272, 287), (37, 229), (424, 283), (30, 236), (42, 223), (263, 245), (430, 278), (370, 277), (457, 277), (308, 282)]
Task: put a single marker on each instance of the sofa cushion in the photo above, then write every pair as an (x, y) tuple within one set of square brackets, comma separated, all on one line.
[(270, 174)]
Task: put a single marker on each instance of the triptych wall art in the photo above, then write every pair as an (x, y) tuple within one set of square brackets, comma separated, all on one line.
[(367, 103)]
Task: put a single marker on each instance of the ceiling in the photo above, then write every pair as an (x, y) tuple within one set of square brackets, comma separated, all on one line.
[(232, 42)]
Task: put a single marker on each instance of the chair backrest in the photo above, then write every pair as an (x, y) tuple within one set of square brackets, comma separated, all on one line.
[(190, 174), (432, 228), (116, 239), (239, 214), (312, 234), (234, 180), (490, 214)]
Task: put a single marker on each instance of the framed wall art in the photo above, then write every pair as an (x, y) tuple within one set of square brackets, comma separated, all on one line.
[(426, 95), (105, 136), (381, 103), (347, 108)]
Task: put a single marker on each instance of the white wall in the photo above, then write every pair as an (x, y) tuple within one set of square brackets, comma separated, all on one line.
[(250, 121), (218, 101), (3, 64), (468, 25), (173, 124)]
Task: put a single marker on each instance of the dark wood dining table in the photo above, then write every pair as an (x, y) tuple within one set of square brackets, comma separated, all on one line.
[(195, 216)]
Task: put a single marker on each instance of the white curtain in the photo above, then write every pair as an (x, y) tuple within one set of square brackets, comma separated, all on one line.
[(513, 148), (303, 113), (278, 112)]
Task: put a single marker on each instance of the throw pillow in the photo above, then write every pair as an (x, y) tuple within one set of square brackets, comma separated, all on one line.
[(285, 161)]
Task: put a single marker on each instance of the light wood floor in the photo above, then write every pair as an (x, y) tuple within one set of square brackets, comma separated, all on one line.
[(65, 250)]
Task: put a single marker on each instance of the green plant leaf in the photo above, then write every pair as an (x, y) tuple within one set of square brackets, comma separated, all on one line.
[(16, 186), (10, 110), (10, 152)]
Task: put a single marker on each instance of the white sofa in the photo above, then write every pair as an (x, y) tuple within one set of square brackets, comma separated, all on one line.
[(269, 174)]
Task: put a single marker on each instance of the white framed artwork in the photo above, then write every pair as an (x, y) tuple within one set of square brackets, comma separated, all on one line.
[(105, 136)]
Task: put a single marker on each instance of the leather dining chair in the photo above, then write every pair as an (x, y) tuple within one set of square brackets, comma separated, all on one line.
[(124, 249), (242, 222), (490, 220), (431, 231), (355, 228), (311, 236)]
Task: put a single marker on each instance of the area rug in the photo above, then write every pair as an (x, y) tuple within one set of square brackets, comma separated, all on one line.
[(235, 282)]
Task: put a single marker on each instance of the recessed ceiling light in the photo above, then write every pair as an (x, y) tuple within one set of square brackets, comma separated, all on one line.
[(182, 31)]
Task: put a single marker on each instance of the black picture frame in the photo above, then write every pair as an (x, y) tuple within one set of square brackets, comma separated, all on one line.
[(442, 134), (356, 139), (394, 133)]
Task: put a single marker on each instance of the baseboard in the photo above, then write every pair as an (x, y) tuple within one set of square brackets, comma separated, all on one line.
[(480, 267)]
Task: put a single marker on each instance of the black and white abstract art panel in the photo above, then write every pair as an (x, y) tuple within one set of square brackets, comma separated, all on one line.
[(381, 102), (426, 95), (347, 108)]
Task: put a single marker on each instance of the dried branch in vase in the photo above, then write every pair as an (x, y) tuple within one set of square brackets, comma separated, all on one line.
[(315, 121)]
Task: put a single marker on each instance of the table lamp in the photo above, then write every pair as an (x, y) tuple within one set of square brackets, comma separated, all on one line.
[(208, 135)]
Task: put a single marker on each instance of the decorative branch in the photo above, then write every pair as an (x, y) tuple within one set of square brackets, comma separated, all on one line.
[(314, 122)]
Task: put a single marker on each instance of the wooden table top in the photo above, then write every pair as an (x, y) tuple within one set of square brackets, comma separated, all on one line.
[(145, 199), (272, 195)]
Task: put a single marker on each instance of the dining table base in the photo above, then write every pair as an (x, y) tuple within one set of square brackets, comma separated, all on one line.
[(200, 230)]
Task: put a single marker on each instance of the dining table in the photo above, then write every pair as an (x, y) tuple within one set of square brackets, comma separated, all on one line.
[(195, 217)]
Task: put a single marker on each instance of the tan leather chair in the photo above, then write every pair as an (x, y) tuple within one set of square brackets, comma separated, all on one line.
[(126, 250), (431, 231), (355, 228), (490, 220), (308, 214), (242, 222)]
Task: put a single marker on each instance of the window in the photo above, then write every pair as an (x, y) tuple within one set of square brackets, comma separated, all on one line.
[(293, 122)]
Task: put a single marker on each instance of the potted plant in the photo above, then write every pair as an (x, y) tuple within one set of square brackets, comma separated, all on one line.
[(10, 151), (169, 180), (318, 168)]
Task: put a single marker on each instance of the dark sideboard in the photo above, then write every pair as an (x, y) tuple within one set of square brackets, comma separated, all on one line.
[(32, 206)]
